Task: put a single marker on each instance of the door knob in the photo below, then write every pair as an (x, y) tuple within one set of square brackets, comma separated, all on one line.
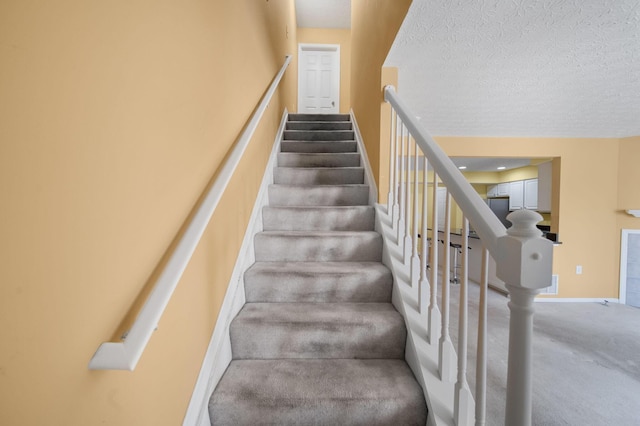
[(333, 103)]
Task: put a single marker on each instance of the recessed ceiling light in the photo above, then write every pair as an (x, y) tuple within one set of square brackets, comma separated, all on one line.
[(501, 168), (462, 167)]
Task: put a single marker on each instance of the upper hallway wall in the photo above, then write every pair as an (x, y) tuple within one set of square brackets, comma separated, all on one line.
[(114, 117), (374, 24), (334, 36)]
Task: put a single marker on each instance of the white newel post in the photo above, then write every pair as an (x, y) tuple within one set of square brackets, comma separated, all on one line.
[(525, 265)]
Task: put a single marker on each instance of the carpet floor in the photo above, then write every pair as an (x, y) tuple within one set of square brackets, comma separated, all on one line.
[(586, 361)]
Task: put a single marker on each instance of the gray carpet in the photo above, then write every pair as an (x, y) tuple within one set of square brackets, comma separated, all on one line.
[(586, 361), (318, 341)]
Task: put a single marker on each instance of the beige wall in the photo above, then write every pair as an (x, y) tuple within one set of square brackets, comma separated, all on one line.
[(114, 117), (628, 185), (629, 174), (521, 173), (374, 24), (587, 192), (334, 36), (584, 202)]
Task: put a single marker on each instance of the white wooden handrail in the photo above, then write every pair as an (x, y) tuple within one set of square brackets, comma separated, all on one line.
[(523, 261), (124, 355), (485, 223)]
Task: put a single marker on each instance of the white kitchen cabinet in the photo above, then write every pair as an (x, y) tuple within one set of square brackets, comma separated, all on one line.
[(531, 194), (544, 187), (516, 195), (504, 189), (492, 191)]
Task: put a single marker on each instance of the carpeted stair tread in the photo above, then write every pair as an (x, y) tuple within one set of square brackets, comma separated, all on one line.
[(319, 146), (318, 392), (318, 195), (305, 159), (318, 175), (319, 117), (318, 125), (318, 246), (318, 330), (317, 282), (318, 218)]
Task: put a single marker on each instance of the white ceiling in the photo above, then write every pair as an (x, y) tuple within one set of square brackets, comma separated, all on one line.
[(323, 13), (567, 68)]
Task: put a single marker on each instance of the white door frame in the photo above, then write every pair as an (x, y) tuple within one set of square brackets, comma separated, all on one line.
[(624, 243), (322, 48)]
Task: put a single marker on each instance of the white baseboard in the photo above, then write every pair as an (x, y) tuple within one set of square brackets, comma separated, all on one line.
[(544, 299), (218, 355), (369, 179)]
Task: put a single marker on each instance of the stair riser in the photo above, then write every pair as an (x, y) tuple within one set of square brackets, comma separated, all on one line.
[(319, 135), (288, 195), (309, 332), (318, 125), (289, 159), (359, 218), (318, 176), (360, 247), (319, 147), (287, 286), (319, 117)]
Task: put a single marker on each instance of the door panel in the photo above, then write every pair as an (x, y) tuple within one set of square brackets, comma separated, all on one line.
[(633, 270), (319, 80)]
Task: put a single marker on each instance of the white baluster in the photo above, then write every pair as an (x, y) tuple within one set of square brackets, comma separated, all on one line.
[(402, 195), (407, 208), (434, 311), (525, 267), (396, 179), (447, 354), (415, 259), (423, 293), (446, 241), (463, 405), (481, 359), (392, 160)]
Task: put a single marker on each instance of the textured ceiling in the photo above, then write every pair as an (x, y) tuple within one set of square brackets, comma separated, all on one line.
[(323, 13), (567, 68)]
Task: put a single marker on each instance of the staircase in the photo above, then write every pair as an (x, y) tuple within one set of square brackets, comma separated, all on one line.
[(318, 341)]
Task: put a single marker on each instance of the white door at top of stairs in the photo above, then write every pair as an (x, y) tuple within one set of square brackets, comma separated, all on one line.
[(318, 78)]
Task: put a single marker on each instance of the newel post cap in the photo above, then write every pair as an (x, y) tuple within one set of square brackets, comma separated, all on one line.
[(525, 258)]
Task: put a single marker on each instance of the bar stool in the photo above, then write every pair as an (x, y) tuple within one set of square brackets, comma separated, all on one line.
[(457, 249), (429, 250)]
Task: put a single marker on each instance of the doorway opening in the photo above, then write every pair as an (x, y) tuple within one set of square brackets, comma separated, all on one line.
[(630, 267), (318, 78)]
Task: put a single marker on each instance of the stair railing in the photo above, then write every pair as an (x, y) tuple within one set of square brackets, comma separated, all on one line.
[(523, 260), (124, 355)]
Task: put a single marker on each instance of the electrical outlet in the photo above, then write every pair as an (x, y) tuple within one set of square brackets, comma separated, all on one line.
[(578, 269)]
